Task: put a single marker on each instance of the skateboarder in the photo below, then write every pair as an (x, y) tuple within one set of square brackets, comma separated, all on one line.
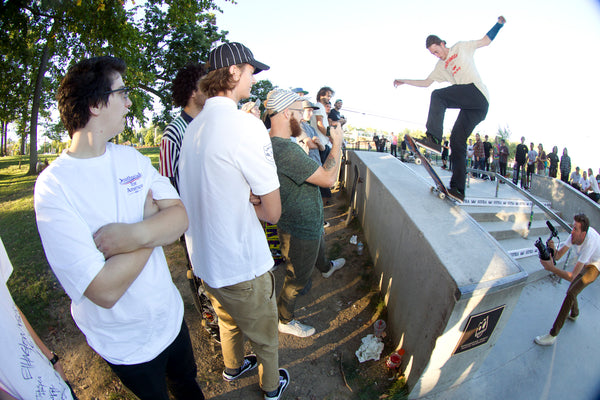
[(467, 93)]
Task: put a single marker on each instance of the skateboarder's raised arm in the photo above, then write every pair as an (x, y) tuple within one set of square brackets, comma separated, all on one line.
[(487, 39), (413, 82)]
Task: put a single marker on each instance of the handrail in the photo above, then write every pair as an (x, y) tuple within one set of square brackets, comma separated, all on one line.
[(526, 194)]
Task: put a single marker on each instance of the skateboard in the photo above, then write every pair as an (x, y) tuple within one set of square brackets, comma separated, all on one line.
[(439, 187)]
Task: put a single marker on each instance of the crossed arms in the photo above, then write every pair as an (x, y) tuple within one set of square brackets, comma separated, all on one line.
[(127, 247)]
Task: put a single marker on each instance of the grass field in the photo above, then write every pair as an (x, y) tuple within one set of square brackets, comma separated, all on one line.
[(32, 284)]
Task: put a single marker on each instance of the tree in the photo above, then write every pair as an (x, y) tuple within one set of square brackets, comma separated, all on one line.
[(41, 38), (504, 133)]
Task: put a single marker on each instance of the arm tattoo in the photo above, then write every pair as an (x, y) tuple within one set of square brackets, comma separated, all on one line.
[(329, 163)]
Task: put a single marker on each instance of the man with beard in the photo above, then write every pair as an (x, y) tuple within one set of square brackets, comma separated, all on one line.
[(301, 224)]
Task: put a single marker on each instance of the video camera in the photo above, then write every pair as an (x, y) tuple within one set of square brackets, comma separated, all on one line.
[(544, 251)]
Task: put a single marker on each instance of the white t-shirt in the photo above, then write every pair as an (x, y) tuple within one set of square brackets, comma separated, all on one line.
[(313, 122), (25, 372), (594, 184), (589, 251), (226, 153), (459, 67), (73, 199), (585, 184)]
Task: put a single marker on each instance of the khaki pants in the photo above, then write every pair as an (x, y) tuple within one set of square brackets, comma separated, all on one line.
[(248, 308)]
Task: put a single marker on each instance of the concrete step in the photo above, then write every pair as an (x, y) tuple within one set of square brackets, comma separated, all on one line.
[(506, 214), (515, 229)]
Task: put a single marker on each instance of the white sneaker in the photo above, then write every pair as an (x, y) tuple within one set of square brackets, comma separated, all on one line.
[(545, 340), (573, 318), (296, 328), (335, 265)]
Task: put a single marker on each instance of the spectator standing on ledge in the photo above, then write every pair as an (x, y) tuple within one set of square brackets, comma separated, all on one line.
[(553, 157), (565, 166)]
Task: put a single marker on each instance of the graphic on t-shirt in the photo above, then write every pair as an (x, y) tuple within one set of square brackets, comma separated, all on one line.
[(134, 183), (268, 149)]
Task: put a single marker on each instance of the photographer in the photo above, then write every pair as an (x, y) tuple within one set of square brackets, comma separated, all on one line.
[(587, 245)]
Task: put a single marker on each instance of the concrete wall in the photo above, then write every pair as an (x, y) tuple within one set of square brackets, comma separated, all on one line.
[(436, 268), (566, 200)]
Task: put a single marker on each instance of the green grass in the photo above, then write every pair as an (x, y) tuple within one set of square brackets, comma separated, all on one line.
[(32, 284)]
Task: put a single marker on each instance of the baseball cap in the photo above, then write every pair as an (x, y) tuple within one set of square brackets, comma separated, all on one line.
[(307, 104), (233, 53), (280, 99), (300, 91)]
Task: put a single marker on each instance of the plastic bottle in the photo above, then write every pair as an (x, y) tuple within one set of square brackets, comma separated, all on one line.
[(359, 248)]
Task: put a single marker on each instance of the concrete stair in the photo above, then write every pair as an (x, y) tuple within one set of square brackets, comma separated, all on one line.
[(509, 225)]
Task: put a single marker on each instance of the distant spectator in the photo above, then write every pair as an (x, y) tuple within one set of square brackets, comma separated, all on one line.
[(479, 155), (593, 189), (565, 166), (520, 161), (541, 160), (320, 120), (335, 116), (445, 152), (503, 157), (584, 182), (470, 154), (531, 157), (575, 179), (553, 157), (394, 145), (487, 150)]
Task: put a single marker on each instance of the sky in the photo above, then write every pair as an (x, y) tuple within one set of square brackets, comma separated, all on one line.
[(541, 70)]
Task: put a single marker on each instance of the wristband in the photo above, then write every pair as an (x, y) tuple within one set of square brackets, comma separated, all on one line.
[(494, 31), (54, 358)]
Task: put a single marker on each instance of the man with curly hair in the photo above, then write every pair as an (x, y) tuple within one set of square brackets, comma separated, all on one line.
[(187, 95)]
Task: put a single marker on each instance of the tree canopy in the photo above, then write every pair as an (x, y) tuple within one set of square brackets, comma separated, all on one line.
[(40, 39)]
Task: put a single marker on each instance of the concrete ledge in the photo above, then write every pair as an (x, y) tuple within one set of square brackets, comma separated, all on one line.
[(565, 199), (437, 268)]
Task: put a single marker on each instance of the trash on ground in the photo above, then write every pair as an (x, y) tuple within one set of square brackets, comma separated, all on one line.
[(370, 349)]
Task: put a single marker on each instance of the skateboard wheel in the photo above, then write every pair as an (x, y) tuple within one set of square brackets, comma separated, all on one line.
[(442, 195), (418, 161)]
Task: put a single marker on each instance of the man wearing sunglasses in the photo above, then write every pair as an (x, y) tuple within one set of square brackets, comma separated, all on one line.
[(103, 213), (300, 227)]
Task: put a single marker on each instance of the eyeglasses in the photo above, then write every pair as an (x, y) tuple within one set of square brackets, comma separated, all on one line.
[(125, 90)]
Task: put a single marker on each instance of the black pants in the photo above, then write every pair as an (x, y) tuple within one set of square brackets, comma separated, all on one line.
[(473, 109), (175, 367)]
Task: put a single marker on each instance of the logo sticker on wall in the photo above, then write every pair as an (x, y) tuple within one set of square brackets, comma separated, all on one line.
[(479, 329)]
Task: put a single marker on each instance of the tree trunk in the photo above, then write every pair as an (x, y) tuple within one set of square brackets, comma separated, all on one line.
[(3, 140), (35, 108)]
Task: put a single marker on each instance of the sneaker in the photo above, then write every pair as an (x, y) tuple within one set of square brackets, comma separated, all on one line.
[(326, 224), (284, 381), (456, 194), (573, 317), (250, 362), (296, 328), (335, 265), (431, 143), (545, 340)]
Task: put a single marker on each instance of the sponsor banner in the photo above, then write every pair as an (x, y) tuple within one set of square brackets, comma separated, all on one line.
[(522, 253), (479, 329), (480, 201)]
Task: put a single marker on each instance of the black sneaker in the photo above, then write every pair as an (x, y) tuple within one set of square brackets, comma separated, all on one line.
[(431, 143), (284, 381), (456, 194), (250, 362)]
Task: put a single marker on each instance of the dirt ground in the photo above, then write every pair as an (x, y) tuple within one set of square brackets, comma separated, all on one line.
[(324, 366)]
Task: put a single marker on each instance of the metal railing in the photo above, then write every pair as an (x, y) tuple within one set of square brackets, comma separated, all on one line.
[(534, 202)]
